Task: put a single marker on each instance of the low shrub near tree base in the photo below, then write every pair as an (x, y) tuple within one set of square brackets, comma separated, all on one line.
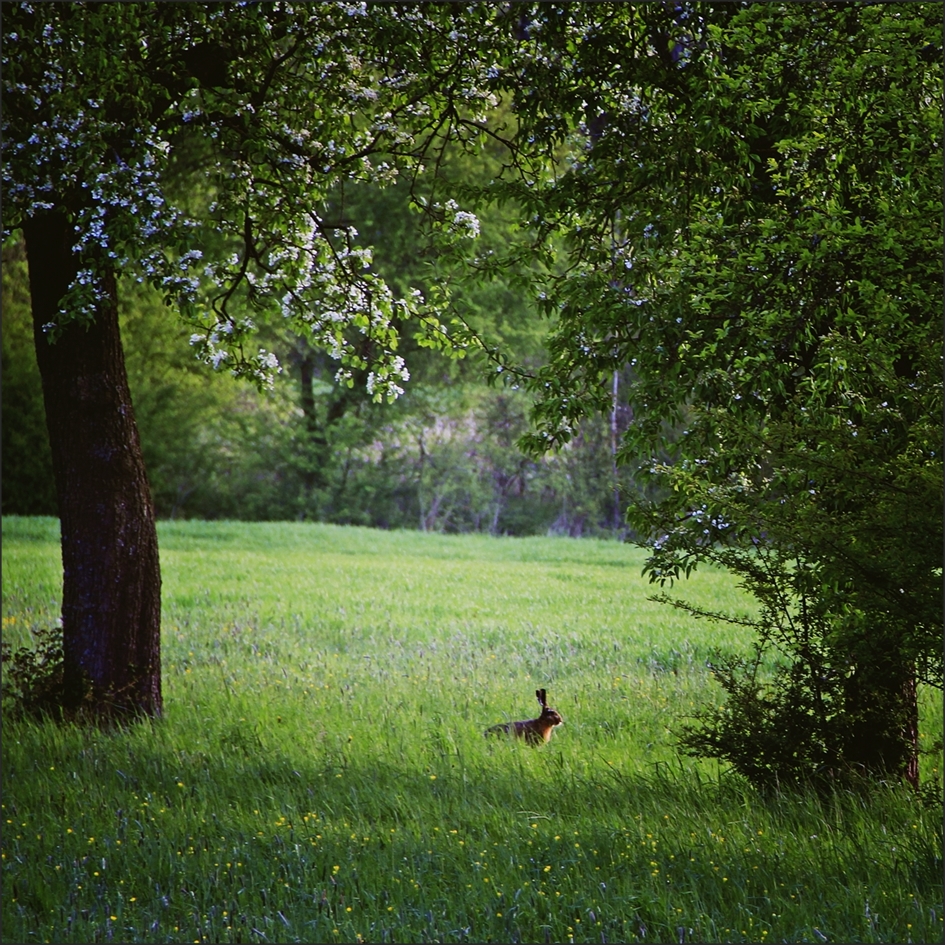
[(794, 728), (33, 677)]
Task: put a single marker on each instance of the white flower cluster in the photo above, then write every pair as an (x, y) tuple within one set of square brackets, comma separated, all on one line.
[(465, 223), (72, 155), (123, 220), (261, 367), (319, 278), (386, 376), (287, 259)]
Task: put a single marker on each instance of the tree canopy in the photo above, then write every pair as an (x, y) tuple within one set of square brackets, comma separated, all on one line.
[(752, 206), (280, 104)]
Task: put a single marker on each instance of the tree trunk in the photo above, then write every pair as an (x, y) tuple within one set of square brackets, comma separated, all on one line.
[(615, 472), (306, 394), (316, 443), (882, 705), (111, 601), (910, 698)]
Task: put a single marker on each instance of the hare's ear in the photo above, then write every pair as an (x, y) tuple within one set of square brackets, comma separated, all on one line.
[(541, 698)]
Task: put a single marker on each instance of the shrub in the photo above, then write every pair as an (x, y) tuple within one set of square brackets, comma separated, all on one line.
[(34, 681)]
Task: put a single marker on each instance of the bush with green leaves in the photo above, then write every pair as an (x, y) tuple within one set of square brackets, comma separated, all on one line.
[(34, 684)]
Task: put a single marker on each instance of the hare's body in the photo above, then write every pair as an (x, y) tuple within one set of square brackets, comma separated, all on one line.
[(534, 731)]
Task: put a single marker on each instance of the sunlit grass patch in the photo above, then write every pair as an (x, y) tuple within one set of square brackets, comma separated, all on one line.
[(321, 774)]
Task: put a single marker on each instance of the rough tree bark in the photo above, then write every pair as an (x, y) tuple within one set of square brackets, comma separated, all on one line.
[(111, 604), (882, 704)]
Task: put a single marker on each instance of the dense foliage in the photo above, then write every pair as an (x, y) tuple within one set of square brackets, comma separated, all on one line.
[(754, 226)]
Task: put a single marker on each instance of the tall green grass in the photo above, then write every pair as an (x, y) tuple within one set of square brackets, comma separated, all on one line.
[(320, 773)]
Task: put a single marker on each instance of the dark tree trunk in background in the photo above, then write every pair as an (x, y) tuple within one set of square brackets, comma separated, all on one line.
[(882, 704), (111, 602), (306, 394), (316, 444), (910, 698)]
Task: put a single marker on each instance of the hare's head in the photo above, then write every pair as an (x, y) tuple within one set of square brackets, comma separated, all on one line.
[(548, 715)]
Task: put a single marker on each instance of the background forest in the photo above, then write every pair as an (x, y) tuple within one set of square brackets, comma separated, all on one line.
[(444, 457)]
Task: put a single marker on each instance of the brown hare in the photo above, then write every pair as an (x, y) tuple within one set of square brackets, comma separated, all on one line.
[(534, 731)]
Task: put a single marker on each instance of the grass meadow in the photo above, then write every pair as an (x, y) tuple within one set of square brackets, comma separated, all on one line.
[(320, 774)]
